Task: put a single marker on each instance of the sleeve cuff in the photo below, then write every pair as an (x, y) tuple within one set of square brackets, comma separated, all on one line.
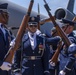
[(16, 70), (66, 69), (46, 71), (52, 63)]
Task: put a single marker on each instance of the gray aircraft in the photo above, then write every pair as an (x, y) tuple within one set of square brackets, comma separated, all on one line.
[(17, 12), (66, 13)]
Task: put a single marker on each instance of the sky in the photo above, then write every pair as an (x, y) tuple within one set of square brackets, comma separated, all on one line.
[(54, 4)]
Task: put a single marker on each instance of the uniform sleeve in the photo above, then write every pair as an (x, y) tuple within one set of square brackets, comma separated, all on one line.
[(71, 51), (72, 39), (53, 40), (17, 60), (1, 62), (45, 59), (70, 64)]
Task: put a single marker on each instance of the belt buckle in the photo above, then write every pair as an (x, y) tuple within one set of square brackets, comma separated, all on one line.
[(32, 57)]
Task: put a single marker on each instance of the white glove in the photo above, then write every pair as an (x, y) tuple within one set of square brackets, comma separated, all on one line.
[(72, 45), (6, 66), (38, 32), (61, 72), (12, 43)]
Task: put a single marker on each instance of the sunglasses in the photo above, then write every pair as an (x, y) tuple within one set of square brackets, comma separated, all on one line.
[(33, 26)]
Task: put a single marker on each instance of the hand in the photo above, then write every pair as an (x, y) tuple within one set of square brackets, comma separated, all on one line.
[(72, 45), (12, 43), (72, 49), (61, 72), (6, 66)]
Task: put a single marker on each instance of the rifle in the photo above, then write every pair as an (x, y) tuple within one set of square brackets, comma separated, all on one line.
[(10, 54), (59, 30), (54, 58), (38, 17), (60, 33), (74, 19), (45, 20), (49, 19)]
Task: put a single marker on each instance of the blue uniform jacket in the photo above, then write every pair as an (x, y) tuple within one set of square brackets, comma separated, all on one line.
[(4, 47), (38, 66), (67, 60)]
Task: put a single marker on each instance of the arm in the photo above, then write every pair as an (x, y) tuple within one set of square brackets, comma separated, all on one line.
[(45, 59), (70, 63), (53, 40), (17, 61)]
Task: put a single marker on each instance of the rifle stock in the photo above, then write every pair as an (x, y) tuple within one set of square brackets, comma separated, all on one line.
[(60, 33), (54, 58), (10, 54)]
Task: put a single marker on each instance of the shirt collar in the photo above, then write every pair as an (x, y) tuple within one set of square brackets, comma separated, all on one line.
[(29, 33)]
